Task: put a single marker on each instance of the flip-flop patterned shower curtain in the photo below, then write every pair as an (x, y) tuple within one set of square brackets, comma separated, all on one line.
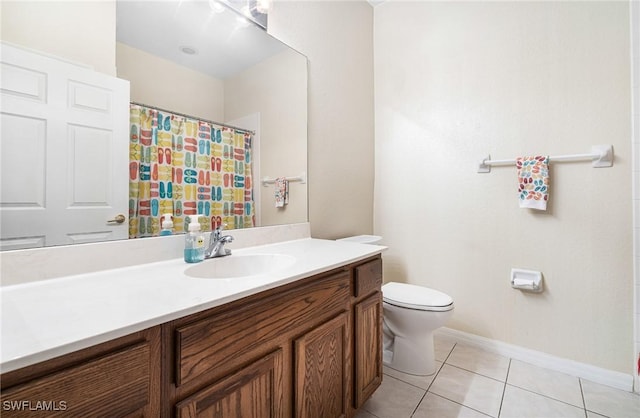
[(183, 167)]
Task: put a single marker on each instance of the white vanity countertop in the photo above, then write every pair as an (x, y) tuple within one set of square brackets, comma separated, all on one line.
[(46, 319)]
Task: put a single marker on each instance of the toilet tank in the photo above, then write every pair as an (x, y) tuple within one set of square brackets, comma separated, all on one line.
[(362, 239)]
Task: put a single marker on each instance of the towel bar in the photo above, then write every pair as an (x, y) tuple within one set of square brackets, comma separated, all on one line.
[(600, 156), (302, 178)]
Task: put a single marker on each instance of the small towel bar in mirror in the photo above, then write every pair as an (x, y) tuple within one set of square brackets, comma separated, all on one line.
[(302, 178), (600, 156)]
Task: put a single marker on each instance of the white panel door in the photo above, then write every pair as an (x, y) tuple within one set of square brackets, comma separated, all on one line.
[(63, 151)]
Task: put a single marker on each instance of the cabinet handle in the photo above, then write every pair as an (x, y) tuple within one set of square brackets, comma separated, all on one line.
[(117, 220)]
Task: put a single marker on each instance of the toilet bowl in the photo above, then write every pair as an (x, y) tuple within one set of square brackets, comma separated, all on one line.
[(411, 315)]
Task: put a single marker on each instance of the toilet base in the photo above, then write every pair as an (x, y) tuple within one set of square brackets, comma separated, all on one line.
[(411, 357)]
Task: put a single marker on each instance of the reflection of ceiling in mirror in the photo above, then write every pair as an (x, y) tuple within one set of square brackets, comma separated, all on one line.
[(225, 44)]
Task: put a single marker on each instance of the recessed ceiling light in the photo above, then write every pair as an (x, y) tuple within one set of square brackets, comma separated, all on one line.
[(188, 50)]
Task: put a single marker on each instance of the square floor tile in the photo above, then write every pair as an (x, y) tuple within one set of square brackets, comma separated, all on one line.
[(521, 403), (479, 361), (422, 382), (608, 401), (436, 406), (394, 399), (469, 389), (559, 386)]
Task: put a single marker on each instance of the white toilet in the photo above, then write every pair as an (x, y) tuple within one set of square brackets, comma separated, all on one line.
[(411, 315)]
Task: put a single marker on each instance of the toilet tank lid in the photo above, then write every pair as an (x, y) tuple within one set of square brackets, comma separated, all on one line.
[(362, 239), (410, 295)]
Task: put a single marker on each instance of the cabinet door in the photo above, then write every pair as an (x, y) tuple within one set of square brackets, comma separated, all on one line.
[(254, 391), (321, 373), (368, 347), (115, 385)]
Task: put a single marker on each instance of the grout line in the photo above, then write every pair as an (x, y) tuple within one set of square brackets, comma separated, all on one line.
[(504, 388), (458, 403), (435, 377), (432, 380), (450, 351), (417, 387), (420, 402), (440, 368), (475, 372), (399, 378), (545, 396), (584, 404), (479, 374)]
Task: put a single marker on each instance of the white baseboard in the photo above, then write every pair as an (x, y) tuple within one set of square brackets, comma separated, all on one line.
[(586, 371)]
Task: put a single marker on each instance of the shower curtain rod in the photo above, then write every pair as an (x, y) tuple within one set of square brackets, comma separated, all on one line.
[(194, 117)]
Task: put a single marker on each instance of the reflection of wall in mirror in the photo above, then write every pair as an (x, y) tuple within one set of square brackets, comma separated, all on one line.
[(281, 99), (158, 82)]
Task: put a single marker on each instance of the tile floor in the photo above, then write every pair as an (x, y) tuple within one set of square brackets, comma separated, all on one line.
[(474, 383)]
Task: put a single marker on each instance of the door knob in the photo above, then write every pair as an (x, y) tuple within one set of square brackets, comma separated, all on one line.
[(117, 220)]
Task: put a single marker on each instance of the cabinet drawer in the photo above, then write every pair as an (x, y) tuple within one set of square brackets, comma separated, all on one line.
[(368, 277), (224, 341), (116, 384)]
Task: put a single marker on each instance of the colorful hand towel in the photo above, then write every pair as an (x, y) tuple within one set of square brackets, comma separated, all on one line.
[(533, 182), (281, 192)]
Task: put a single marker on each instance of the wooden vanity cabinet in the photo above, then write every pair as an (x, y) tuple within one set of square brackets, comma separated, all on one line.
[(120, 378), (308, 349), (287, 347)]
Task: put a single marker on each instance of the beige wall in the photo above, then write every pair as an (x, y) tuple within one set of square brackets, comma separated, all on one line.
[(280, 98), (455, 81), (80, 31), (336, 37), (176, 88)]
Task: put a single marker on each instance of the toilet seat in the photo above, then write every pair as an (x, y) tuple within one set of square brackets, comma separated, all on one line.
[(415, 297)]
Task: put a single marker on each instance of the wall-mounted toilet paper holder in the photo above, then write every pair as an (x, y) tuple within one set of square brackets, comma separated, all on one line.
[(528, 280)]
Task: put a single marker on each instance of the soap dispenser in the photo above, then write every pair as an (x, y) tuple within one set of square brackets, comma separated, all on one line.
[(167, 225), (194, 242)]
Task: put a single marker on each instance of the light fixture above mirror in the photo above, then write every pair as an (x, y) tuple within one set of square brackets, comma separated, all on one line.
[(255, 10)]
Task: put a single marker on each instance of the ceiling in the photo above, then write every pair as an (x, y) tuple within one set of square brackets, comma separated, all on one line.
[(224, 44)]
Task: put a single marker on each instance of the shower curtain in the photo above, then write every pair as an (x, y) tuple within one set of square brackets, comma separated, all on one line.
[(184, 166)]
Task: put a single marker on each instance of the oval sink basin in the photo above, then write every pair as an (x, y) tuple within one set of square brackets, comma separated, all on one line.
[(234, 266)]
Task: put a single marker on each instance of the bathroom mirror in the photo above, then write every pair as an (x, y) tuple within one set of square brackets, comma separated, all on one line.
[(202, 59)]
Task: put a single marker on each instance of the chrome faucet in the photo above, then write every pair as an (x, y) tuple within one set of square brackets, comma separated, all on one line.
[(216, 244)]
